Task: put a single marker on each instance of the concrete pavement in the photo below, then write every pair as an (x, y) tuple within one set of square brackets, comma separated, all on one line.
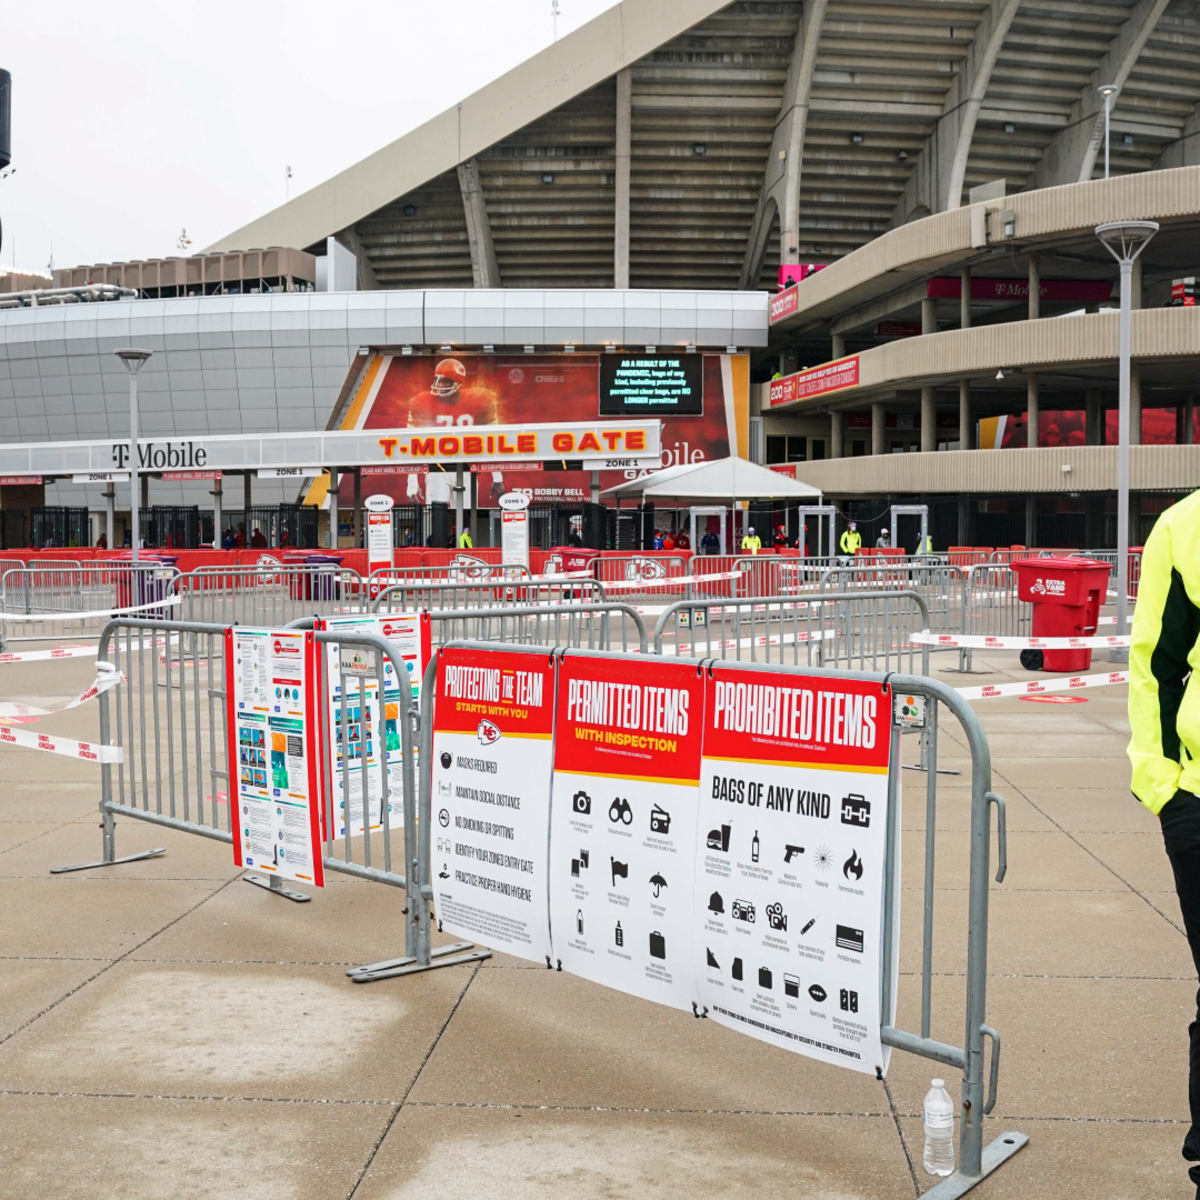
[(142, 1051)]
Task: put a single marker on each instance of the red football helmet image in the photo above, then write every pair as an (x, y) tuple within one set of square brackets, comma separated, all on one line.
[(448, 378)]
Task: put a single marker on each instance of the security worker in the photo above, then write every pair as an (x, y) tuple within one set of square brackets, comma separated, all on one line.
[(751, 542), (464, 540), (851, 540), (925, 545), (883, 541), (1164, 721)]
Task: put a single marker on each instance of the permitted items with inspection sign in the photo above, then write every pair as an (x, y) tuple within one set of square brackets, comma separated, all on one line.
[(490, 798), (363, 728), (794, 787), (626, 764), (273, 749)]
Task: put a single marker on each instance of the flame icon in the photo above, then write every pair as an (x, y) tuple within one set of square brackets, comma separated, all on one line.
[(853, 866)]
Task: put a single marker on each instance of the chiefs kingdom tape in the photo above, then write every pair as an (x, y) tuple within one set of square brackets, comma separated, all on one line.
[(1036, 687)]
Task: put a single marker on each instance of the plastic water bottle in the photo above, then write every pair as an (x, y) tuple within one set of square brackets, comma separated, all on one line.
[(939, 1130)]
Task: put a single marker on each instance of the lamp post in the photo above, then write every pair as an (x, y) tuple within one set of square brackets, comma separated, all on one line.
[(1108, 91), (1124, 240), (134, 360)]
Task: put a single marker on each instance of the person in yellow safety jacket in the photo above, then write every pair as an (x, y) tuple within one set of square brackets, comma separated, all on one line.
[(1164, 723), (464, 540), (751, 542), (851, 540), (925, 545)]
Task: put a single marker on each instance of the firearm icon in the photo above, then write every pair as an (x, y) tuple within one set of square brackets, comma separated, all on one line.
[(789, 851)]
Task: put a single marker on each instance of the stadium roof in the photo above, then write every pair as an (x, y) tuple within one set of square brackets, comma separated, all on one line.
[(667, 142)]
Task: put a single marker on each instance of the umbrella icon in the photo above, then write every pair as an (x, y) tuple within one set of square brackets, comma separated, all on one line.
[(657, 882)]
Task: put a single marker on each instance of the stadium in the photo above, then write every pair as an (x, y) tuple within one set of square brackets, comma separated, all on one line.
[(907, 190)]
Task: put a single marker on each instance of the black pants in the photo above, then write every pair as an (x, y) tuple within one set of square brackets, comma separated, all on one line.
[(1181, 835)]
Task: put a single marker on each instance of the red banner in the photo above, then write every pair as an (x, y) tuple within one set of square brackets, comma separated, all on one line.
[(835, 376), (494, 694), (784, 304), (1082, 291)]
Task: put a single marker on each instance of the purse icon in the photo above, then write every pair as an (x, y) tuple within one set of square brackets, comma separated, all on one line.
[(658, 945)]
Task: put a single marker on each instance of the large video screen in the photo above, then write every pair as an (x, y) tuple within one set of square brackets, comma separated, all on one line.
[(651, 385)]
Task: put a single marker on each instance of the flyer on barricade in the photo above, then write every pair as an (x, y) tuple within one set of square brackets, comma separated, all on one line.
[(490, 797), (369, 732), (623, 823), (790, 872), (273, 749)]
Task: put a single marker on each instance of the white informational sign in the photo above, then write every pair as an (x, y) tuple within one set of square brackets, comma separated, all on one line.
[(272, 717), (289, 472), (514, 529), (380, 551), (361, 727), (623, 824), (492, 747), (790, 870), (101, 477)]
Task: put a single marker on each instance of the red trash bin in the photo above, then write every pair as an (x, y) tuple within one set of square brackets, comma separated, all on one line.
[(1066, 594)]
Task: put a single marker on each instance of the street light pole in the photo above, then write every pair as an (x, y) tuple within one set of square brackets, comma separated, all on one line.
[(1108, 91), (1125, 240), (134, 360)]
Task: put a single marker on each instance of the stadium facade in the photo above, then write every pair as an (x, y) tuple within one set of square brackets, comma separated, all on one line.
[(672, 175)]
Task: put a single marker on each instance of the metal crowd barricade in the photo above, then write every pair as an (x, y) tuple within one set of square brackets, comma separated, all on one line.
[(468, 571), (413, 595), (59, 601), (269, 593), (170, 718), (937, 583), (991, 606), (980, 1079), (853, 630), (606, 626)]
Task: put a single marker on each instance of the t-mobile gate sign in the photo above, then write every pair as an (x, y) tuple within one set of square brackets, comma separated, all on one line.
[(790, 874), (493, 720)]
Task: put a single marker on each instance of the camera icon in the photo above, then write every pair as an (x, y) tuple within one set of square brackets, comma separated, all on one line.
[(581, 802)]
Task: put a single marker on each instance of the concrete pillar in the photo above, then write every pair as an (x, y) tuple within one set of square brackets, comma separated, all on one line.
[(1189, 419), (1032, 409), (110, 500), (928, 316), (1135, 284), (966, 433), (1035, 288), (334, 481), (837, 433), (1030, 520), (837, 345), (964, 299), (964, 521), (624, 149), (459, 488), (928, 419), (356, 525), (878, 428), (1093, 422), (217, 496), (1135, 407)]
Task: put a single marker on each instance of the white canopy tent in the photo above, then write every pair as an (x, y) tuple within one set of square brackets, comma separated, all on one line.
[(726, 481)]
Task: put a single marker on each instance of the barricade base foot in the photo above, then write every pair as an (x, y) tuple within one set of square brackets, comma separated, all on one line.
[(940, 770), (272, 884), (995, 1155), (126, 858), (444, 956)]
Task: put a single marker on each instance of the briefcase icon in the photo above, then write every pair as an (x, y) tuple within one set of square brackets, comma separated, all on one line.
[(658, 945), (765, 978)]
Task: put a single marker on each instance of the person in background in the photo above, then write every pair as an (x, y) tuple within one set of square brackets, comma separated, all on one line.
[(258, 539), (228, 541), (575, 538), (239, 541), (851, 540), (682, 541), (102, 542), (883, 541), (1164, 725), (710, 543), (781, 538), (925, 545), (751, 542), (658, 539), (668, 542), (464, 540)]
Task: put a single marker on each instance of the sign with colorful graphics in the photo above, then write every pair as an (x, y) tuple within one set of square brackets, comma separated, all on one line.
[(380, 550), (490, 798), (623, 824), (790, 867), (273, 752), (364, 737), (816, 381)]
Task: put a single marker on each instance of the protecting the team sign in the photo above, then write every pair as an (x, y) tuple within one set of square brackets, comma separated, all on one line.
[(364, 737)]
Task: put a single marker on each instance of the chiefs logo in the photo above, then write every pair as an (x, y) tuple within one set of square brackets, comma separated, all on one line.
[(488, 733), (642, 569), (268, 566), (470, 567)]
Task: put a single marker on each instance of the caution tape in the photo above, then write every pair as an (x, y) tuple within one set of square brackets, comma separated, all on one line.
[(644, 585), (67, 747), (165, 602), (107, 677), (1035, 687), (81, 651), (983, 641), (817, 635)]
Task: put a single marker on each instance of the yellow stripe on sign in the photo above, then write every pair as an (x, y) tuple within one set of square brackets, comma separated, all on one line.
[(634, 778), (853, 768), (319, 489)]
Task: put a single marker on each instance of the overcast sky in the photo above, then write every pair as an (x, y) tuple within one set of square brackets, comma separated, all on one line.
[(135, 118)]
